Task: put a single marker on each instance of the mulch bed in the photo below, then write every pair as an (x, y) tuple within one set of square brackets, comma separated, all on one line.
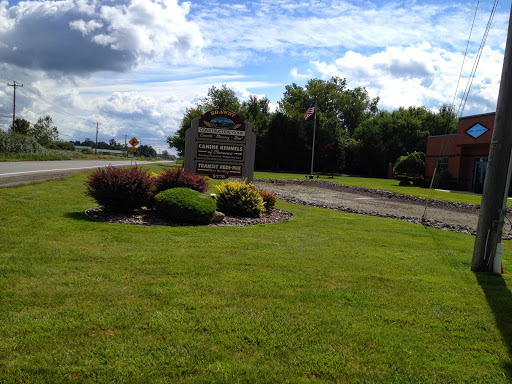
[(149, 217)]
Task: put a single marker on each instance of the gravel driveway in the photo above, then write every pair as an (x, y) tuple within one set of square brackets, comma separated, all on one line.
[(457, 217)]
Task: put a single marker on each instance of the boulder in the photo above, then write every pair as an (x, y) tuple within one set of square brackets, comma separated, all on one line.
[(218, 217)]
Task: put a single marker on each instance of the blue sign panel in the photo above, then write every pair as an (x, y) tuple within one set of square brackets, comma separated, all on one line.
[(476, 131)]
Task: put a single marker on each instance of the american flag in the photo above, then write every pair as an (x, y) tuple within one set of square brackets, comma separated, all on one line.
[(310, 110)]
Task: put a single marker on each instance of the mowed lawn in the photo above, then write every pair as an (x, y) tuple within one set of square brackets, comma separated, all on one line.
[(324, 297)]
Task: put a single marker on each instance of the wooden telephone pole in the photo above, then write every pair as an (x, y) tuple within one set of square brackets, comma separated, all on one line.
[(14, 85), (497, 180)]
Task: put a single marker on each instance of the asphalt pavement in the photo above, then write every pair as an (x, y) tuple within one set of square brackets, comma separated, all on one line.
[(15, 172)]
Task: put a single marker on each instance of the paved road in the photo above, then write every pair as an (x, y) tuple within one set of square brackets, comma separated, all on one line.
[(26, 171)]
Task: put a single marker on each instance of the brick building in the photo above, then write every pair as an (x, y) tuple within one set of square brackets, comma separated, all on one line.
[(464, 153)]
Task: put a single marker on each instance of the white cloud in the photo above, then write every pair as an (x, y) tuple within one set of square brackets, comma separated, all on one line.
[(85, 27), (419, 75), (301, 76), (74, 36)]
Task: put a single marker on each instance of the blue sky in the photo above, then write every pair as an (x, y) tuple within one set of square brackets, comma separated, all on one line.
[(135, 65)]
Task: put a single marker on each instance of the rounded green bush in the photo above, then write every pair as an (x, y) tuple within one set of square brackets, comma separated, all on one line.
[(185, 205)]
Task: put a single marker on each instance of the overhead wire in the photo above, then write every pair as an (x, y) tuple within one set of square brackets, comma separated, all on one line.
[(468, 87), (465, 96), (79, 135), (465, 54)]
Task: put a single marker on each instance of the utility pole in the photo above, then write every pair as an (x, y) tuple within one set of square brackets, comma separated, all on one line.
[(14, 104), (125, 146), (96, 149), (497, 180)]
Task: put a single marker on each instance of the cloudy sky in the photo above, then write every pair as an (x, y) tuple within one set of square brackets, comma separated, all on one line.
[(133, 66)]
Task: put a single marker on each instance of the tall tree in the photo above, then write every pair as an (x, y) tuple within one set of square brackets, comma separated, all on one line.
[(221, 98), (146, 151), (389, 135), (333, 157), (21, 126), (177, 140), (44, 131), (217, 98)]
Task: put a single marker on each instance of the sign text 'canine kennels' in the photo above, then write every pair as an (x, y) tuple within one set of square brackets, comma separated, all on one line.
[(220, 144)]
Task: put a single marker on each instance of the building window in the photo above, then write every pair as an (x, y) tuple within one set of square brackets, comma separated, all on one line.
[(442, 163)]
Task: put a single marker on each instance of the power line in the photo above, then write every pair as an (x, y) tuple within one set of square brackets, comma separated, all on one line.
[(55, 106), (465, 96), (465, 54)]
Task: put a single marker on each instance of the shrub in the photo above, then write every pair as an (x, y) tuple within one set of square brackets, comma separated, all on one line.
[(120, 189), (64, 145), (240, 199), (444, 180), (412, 165), (180, 178), (87, 151), (18, 143), (185, 205), (269, 199)]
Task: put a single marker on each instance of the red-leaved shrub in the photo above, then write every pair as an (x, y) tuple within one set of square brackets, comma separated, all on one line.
[(269, 199), (180, 178), (120, 189)]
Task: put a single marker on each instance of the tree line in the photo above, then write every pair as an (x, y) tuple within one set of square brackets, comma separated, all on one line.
[(352, 133), (47, 135)]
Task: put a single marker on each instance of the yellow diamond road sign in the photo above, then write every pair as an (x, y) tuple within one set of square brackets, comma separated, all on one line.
[(134, 142)]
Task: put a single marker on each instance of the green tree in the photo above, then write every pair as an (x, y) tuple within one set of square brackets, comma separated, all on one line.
[(177, 140), (21, 126), (339, 110), (44, 131), (146, 151), (221, 98), (410, 165), (388, 135), (333, 157), (257, 112)]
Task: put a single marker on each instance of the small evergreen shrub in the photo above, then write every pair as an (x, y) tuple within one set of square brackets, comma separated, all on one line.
[(240, 199), (444, 180), (269, 199), (120, 189), (184, 205), (180, 178)]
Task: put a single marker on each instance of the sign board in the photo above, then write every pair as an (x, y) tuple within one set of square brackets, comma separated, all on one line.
[(133, 149), (220, 144), (210, 168), (207, 150), (134, 142), (476, 131)]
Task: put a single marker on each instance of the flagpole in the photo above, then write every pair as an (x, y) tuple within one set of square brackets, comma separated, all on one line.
[(313, 147)]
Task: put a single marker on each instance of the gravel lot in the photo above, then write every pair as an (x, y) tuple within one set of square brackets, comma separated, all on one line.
[(457, 217)]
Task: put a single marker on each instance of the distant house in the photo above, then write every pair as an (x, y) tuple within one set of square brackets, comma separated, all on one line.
[(464, 154)]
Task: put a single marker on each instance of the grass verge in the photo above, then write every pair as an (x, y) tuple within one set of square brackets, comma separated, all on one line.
[(325, 297)]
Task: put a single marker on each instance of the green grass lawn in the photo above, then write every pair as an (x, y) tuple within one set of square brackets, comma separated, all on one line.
[(384, 184), (324, 297)]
